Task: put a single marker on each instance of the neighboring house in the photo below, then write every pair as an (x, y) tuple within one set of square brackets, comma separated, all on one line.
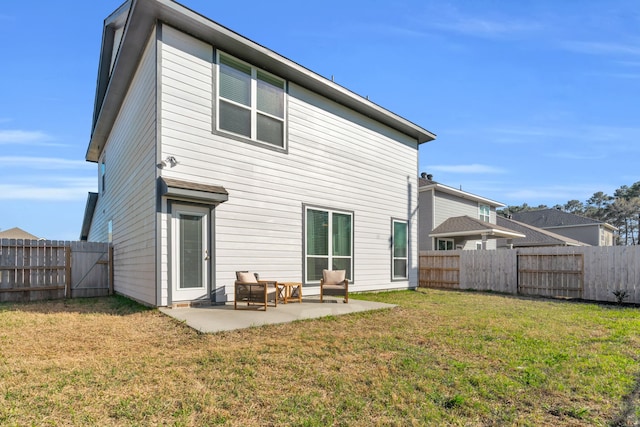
[(17, 233), (454, 219), (216, 154), (534, 236), (580, 228)]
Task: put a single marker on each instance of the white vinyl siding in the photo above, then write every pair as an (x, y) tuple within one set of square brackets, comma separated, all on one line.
[(447, 205), (130, 182), (336, 158)]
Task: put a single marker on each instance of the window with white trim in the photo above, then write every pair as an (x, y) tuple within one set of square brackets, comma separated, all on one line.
[(400, 243), (251, 102), (484, 213), (329, 242), (444, 245)]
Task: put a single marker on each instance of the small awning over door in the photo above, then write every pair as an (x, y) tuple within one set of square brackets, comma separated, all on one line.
[(188, 191)]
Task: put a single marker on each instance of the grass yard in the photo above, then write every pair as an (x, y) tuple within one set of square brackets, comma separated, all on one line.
[(439, 358)]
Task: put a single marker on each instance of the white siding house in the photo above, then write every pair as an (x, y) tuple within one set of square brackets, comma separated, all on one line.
[(216, 155), (450, 218)]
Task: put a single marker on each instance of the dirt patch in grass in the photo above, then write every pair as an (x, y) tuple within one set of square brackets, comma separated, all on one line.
[(439, 358)]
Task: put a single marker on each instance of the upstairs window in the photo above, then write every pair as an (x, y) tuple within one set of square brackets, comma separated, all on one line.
[(251, 102), (484, 213)]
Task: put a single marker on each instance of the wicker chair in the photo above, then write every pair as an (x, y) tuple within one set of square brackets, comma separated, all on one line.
[(334, 283), (250, 289)]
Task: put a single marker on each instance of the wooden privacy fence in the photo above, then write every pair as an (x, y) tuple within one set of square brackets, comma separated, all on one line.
[(590, 273), (32, 270)]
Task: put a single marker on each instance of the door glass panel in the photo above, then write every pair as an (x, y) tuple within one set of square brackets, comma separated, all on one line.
[(191, 250)]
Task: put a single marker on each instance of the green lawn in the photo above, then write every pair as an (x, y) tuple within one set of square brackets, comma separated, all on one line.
[(439, 358)]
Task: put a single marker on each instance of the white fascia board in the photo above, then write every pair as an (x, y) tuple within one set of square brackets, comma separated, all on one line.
[(462, 194), (482, 232)]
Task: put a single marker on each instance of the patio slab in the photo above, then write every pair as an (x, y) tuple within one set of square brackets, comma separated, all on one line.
[(217, 318)]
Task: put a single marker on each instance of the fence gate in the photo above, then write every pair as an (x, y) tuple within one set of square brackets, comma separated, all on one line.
[(90, 270), (32, 270), (557, 275), (440, 271)]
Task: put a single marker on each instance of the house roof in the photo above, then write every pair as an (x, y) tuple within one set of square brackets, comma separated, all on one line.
[(139, 18), (89, 209), (428, 184), (535, 236), (17, 233), (463, 226), (548, 218)]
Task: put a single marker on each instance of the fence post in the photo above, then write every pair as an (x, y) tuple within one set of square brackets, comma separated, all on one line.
[(110, 269), (67, 271)]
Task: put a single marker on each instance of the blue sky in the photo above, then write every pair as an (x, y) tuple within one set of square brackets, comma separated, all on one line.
[(532, 101)]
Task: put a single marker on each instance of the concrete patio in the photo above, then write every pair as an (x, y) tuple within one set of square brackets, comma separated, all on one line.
[(217, 318)]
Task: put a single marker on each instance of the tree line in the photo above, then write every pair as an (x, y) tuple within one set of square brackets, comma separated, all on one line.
[(622, 210)]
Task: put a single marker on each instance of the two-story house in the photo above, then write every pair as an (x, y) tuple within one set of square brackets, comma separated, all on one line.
[(577, 227), (216, 154), (450, 218)]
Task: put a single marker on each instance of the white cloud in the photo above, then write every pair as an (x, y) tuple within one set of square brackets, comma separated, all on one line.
[(566, 133), (624, 75), (472, 168), (602, 48), (16, 136), (44, 163), (485, 27), (73, 190), (553, 194), (578, 155)]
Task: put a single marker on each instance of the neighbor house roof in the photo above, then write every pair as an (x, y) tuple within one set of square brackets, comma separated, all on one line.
[(139, 18), (548, 218), (429, 184), (89, 209), (17, 233), (535, 236), (461, 226)]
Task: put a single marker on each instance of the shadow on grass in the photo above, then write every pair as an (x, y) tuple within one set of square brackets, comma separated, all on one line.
[(630, 415), (558, 299), (113, 305)]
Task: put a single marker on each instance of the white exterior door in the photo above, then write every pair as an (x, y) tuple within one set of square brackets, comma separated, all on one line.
[(190, 252)]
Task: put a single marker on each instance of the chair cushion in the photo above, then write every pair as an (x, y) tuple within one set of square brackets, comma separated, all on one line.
[(333, 277), (339, 287), (245, 277)]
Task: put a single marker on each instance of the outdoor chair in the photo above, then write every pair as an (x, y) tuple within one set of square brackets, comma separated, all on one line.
[(250, 289), (334, 283)]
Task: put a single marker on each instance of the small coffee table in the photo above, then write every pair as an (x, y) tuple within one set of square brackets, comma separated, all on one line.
[(289, 291)]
